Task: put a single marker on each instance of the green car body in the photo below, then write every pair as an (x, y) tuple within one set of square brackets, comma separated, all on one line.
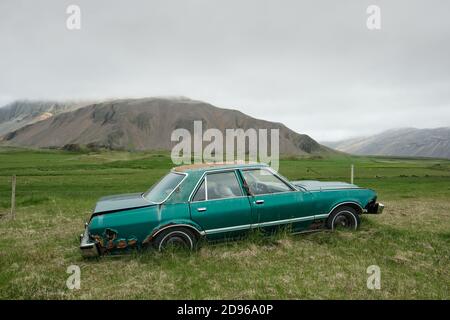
[(218, 202)]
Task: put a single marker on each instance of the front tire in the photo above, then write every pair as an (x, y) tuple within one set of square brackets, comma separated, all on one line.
[(343, 218), (177, 238)]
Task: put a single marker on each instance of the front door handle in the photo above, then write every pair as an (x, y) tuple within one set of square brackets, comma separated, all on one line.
[(259, 201), (201, 209)]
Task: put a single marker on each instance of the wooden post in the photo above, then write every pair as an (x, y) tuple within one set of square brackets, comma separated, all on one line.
[(351, 173), (13, 197)]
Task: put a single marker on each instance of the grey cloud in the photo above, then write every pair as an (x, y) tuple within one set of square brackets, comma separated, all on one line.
[(311, 65)]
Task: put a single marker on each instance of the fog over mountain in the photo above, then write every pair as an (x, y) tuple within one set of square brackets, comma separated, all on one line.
[(24, 112), (410, 142), (312, 65)]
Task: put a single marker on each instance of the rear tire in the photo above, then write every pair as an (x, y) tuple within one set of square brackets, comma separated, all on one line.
[(175, 237), (343, 217)]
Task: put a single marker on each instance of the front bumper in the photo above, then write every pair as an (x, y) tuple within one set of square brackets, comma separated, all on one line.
[(87, 247), (375, 208)]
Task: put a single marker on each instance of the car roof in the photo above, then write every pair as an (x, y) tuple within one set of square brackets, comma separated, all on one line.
[(217, 165)]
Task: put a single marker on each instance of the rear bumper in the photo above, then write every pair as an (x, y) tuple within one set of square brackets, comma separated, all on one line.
[(375, 208), (87, 247)]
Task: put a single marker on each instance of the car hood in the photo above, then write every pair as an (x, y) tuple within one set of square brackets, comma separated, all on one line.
[(120, 202), (313, 185)]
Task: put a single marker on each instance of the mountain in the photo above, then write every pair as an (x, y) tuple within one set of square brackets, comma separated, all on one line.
[(411, 142), (23, 112), (146, 124)]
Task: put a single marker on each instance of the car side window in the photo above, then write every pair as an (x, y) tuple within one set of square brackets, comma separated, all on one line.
[(222, 185), (200, 195), (262, 181)]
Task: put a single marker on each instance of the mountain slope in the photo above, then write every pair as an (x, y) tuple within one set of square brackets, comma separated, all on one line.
[(147, 124), (433, 143), (21, 113)]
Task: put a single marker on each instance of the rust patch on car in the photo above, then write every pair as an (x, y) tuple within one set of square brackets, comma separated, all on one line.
[(99, 240), (110, 245), (209, 165), (132, 242), (150, 237), (121, 244), (109, 241), (315, 225), (110, 236)]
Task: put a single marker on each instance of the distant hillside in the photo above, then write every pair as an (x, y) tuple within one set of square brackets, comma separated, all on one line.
[(146, 124), (412, 142), (23, 112)]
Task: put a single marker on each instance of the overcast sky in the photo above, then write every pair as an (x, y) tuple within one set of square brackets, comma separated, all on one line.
[(313, 65)]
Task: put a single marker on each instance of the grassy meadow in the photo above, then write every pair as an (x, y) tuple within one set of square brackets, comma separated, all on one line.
[(56, 191)]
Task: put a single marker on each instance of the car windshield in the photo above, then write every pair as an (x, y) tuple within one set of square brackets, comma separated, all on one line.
[(161, 190)]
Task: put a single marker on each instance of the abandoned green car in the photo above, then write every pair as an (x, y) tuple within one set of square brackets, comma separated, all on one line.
[(217, 201)]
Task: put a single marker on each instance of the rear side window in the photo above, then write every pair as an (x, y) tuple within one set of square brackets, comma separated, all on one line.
[(222, 185), (219, 185)]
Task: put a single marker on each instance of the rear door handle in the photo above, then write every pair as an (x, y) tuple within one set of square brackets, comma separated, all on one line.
[(259, 201), (201, 209)]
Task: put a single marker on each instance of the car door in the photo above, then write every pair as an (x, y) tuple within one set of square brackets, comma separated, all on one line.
[(275, 202), (220, 206)]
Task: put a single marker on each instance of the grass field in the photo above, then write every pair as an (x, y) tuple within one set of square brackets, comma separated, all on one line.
[(56, 191)]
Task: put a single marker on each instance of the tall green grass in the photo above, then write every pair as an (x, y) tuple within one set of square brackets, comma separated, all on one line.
[(57, 190)]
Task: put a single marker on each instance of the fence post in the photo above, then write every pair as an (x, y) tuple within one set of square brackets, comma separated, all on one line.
[(13, 197), (351, 173)]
